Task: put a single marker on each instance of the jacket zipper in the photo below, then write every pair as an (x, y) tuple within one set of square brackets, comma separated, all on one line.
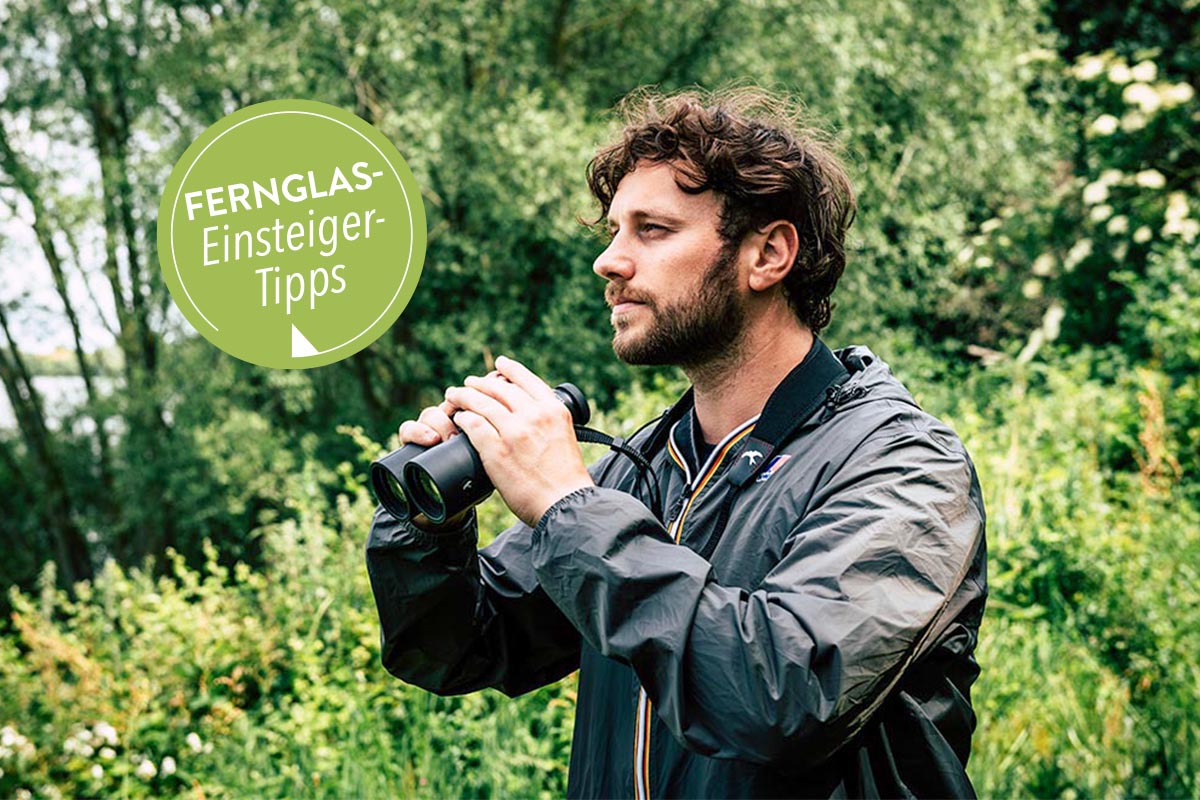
[(641, 737)]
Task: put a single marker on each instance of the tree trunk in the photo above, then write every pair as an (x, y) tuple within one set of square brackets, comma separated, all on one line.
[(67, 540)]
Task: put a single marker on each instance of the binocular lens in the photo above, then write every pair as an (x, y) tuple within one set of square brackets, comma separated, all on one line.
[(429, 496), (389, 485), (390, 491), (396, 490)]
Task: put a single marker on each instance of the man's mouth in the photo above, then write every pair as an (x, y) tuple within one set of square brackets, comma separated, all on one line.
[(624, 301)]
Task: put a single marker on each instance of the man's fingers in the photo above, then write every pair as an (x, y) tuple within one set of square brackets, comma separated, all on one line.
[(464, 397), (431, 427), (512, 396), (438, 418), (479, 430), (413, 432), (519, 374)]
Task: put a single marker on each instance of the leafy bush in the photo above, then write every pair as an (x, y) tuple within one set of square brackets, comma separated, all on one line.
[(1088, 646), (220, 682)]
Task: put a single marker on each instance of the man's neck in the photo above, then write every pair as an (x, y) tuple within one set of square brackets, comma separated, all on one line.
[(730, 391)]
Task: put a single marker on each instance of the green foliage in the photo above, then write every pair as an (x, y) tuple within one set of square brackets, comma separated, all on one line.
[(1087, 649), (1027, 178), (227, 682), (267, 683)]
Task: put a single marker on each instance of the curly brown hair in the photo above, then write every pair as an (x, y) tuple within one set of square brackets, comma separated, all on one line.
[(754, 149)]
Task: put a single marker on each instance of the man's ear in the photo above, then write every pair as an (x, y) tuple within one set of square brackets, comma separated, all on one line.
[(775, 249)]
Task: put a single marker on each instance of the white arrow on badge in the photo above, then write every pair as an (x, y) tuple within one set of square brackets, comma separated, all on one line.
[(300, 346)]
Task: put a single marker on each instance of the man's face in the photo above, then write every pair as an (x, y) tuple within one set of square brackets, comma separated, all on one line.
[(673, 282)]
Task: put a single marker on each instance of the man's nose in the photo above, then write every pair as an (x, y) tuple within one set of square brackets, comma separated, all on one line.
[(614, 262)]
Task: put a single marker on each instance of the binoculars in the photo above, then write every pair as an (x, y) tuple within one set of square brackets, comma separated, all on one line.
[(448, 478)]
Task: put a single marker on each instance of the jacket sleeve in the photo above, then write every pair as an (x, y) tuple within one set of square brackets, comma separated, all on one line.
[(455, 619), (792, 670)]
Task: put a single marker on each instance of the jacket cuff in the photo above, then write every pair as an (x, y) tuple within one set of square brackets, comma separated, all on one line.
[(387, 531), (574, 498)]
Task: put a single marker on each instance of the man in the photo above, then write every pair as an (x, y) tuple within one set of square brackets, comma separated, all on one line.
[(798, 616)]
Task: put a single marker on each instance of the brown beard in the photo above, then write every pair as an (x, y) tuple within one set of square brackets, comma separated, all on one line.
[(696, 330)]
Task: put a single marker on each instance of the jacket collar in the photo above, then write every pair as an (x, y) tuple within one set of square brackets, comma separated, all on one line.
[(798, 395), (794, 400), (684, 452)]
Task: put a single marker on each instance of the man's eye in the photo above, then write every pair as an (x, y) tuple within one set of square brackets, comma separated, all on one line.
[(650, 227)]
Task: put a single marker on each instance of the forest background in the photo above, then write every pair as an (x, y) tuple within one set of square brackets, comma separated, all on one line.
[(189, 612)]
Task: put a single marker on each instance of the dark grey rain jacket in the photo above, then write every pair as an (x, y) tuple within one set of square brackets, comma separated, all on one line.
[(817, 643)]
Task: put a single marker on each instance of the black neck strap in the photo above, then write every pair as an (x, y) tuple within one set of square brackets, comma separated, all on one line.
[(658, 437), (790, 405)]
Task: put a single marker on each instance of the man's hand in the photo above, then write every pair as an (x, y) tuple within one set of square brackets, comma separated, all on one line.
[(432, 427), (524, 435)]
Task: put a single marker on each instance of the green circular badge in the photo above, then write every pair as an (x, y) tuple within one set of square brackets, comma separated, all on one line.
[(291, 234)]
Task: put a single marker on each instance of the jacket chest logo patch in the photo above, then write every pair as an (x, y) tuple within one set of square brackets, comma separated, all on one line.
[(775, 464), (753, 456)]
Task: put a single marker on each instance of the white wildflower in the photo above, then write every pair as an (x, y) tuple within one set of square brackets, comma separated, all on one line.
[(1101, 213), (193, 741), (1043, 265), (1177, 206), (12, 743), (1176, 94), (106, 732), (1035, 55), (146, 770), (107, 753), (1144, 71), (168, 766), (1032, 288), (1105, 125), (990, 225), (984, 262), (1150, 179), (1143, 96), (1112, 176), (1133, 121), (1052, 321), (1089, 68), (1079, 251), (1118, 225), (1120, 73), (1143, 234), (1095, 192), (97, 772)]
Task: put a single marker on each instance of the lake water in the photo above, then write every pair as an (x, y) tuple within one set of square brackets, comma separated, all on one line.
[(61, 394)]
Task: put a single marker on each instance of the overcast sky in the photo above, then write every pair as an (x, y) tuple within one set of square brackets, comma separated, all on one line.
[(40, 324)]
